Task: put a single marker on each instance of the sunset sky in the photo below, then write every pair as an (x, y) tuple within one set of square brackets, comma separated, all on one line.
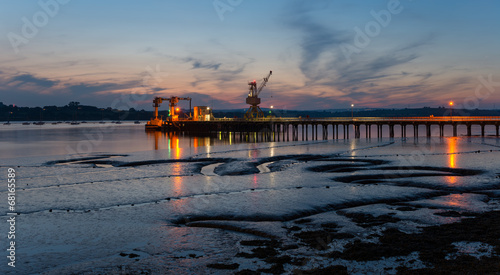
[(323, 54)]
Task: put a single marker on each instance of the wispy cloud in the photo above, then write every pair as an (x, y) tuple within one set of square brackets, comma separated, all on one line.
[(93, 88), (33, 89), (219, 75), (20, 80), (319, 43), (358, 74), (370, 76), (198, 64)]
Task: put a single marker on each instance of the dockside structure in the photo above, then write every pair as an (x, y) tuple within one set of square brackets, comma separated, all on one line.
[(294, 128)]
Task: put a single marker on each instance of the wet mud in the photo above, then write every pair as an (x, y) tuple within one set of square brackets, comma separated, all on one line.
[(351, 235), (434, 244)]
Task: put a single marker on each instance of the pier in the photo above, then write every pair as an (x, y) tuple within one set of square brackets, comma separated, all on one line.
[(340, 127)]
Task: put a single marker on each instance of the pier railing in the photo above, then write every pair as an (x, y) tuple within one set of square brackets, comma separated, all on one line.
[(371, 119)]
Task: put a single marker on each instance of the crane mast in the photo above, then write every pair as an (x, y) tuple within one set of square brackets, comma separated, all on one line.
[(253, 98)]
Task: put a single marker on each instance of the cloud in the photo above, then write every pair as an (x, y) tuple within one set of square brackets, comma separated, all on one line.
[(91, 88), (427, 40), (222, 77), (23, 79), (319, 43), (359, 73), (198, 64), (34, 91), (425, 76), (212, 66), (371, 76), (200, 99)]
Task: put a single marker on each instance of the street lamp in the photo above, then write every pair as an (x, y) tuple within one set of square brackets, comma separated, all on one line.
[(352, 111), (451, 109)]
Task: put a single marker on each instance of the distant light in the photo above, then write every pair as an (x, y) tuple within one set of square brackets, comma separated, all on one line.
[(352, 105), (177, 109), (272, 106), (208, 108), (451, 103)]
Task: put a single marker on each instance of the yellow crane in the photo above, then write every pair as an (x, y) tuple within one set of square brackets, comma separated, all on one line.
[(173, 100)]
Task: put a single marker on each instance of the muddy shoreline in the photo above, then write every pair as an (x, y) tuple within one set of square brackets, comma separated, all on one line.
[(436, 247)]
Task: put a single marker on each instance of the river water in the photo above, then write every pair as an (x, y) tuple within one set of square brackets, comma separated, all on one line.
[(107, 198)]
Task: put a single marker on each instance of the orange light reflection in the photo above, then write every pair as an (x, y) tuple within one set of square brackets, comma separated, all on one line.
[(452, 159), (456, 201), (255, 183)]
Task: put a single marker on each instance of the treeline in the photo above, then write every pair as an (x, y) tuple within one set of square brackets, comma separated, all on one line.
[(71, 112), (406, 112)]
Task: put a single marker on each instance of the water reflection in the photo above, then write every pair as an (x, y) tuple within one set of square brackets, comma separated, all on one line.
[(452, 159), (174, 141), (156, 137), (461, 201), (201, 141), (254, 153), (177, 184), (452, 150), (163, 140), (353, 147)]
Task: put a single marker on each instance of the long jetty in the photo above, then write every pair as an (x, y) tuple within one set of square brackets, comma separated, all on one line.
[(291, 128)]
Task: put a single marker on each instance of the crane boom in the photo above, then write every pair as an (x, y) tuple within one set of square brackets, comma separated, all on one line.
[(264, 82)]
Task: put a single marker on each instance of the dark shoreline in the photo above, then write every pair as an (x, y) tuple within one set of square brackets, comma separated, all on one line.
[(434, 246)]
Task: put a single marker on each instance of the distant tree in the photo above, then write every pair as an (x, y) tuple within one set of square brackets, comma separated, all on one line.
[(74, 104)]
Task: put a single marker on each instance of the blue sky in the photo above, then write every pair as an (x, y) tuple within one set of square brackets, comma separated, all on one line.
[(97, 52)]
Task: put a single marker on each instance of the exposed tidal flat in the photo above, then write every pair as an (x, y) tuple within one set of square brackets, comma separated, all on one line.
[(124, 201)]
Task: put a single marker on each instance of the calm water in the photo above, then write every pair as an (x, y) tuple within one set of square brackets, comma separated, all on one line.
[(19, 140)]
